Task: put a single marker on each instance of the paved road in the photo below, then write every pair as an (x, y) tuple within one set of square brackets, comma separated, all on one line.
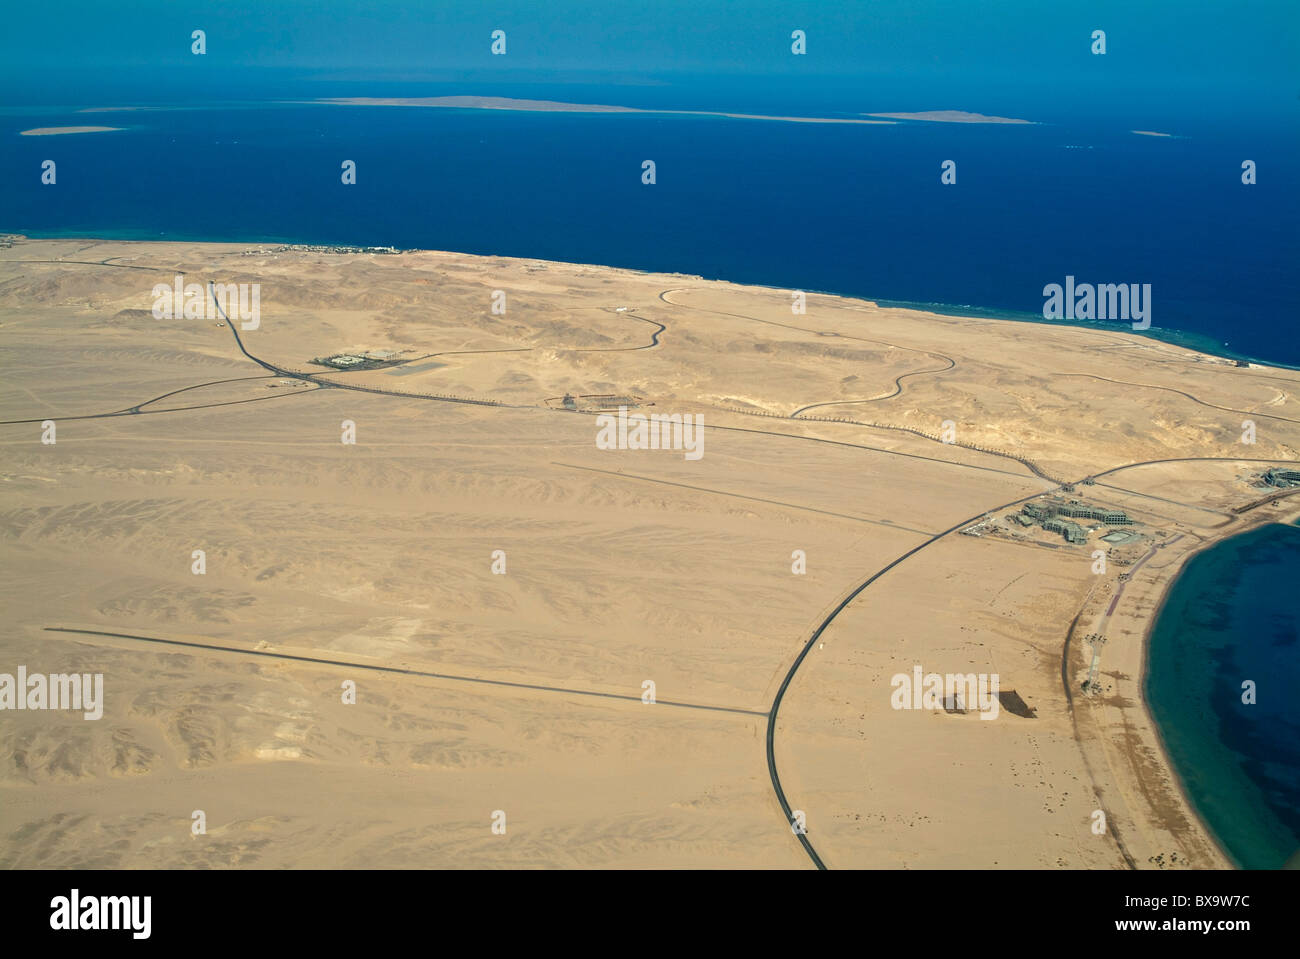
[(807, 647)]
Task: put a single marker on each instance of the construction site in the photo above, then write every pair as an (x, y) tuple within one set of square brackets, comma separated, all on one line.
[(1058, 515), (1281, 478), (361, 360)]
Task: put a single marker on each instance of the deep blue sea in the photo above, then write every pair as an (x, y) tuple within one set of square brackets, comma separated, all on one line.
[(1232, 616), (856, 210)]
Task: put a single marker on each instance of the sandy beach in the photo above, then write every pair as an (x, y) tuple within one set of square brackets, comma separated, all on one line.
[(500, 589)]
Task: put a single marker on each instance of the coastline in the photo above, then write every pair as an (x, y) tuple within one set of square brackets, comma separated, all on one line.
[(1184, 793), (1163, 587), (1194, 342), (1291, 516)]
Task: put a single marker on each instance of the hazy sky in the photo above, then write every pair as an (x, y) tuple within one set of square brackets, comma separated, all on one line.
[(1236, 43)]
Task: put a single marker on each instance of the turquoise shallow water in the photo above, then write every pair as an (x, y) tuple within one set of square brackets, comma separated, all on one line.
[(1233, 616)]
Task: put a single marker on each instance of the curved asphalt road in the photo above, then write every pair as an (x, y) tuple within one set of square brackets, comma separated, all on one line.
[(807, 647), (789, 676)]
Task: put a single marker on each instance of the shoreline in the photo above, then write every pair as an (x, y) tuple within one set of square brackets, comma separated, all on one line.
[(1193, 342), (1183, 792), (1291, 517)]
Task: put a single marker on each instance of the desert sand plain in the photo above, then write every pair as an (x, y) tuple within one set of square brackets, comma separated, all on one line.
[(520, 692)]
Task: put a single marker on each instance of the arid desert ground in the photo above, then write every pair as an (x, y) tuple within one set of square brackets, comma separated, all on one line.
[(500, 590)]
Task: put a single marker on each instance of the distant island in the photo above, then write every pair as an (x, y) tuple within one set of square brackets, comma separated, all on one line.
[(948, 116), (557, 106), (55, 131)]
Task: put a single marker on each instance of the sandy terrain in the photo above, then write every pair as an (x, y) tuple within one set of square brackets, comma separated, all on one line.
[(521, 691)]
